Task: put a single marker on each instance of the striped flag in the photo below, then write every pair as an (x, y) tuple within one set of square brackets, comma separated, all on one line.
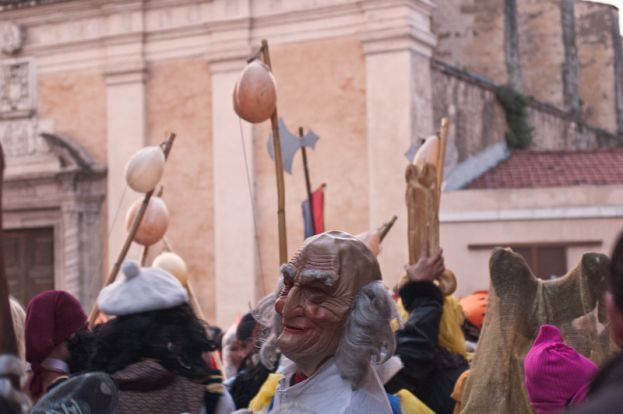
[(317, 226)]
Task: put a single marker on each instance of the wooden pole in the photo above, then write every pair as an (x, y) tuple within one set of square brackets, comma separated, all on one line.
[(385, 228), (441, 157), (308, 183), (8, 342), (192, 298), (130, 237), (281, 193), (145, 253)]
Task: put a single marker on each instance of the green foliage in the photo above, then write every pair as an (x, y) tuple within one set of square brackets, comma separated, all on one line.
[(519, 134)]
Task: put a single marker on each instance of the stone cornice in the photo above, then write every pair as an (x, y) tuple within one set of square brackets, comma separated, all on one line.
[(398, 25), (90, 34), (127, 72)]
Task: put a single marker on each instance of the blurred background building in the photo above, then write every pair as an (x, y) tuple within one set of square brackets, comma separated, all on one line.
[(534, 90)]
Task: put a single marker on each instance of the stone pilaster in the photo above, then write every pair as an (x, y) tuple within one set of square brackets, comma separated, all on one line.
[(235, 250), (126, 132), (511, 45), (617, 44), (570, 76), (398, 46)]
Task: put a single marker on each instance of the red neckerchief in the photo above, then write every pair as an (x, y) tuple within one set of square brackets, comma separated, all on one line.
[(298, 377)]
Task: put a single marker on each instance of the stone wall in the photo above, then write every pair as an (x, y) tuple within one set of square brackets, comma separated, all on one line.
[(77, 104), (566, 53), (337, 115), (479, 120), (597, 52), (179, 100), (470, 35), (542, 49), (554, 129)]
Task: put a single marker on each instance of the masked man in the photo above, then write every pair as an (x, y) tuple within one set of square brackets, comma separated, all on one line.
[(335, 322)]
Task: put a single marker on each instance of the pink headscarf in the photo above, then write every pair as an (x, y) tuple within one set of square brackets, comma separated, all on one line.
[(556, 375), (52, 317)]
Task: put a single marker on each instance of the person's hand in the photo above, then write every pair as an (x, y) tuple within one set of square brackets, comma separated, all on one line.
[(427, 268)]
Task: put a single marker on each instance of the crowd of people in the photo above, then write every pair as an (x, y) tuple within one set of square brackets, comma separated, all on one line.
[(333, 338)]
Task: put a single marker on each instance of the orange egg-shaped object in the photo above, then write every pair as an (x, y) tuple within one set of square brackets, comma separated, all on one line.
[(154, 223), (173, 264), (235, 99), (428, 152), (255, 93)]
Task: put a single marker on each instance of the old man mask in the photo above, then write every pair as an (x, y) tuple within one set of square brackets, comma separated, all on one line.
[(319, 285)]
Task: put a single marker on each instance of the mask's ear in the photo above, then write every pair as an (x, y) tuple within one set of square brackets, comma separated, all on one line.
[(515, 287), (511, 276), (581, 288), (615, 316)]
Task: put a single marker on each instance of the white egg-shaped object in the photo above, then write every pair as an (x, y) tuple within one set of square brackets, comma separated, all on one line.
[(144, 170), (428, 152)]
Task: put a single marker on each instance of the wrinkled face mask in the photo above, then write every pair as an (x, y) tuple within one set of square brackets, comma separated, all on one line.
[(319, 285)]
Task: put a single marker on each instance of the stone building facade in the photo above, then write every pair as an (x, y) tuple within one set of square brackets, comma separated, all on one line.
[(370, 77), (566, 53)]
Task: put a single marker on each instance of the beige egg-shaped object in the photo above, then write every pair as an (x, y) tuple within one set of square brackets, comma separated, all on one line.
[(173, 264), (428, 152), (144, 170), (255, 93), (154, 223)]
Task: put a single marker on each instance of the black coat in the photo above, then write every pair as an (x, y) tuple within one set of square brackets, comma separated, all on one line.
[(605, 395), (248, 381), (430, 371)]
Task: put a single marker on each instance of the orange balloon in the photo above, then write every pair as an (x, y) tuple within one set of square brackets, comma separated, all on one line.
[(154, 223), (475, 306), (255, 93)]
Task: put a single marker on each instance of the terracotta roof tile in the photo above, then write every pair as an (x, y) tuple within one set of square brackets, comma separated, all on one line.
[(532, 169)]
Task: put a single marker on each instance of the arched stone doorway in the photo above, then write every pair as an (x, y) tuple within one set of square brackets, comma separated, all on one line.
[(52, 218)]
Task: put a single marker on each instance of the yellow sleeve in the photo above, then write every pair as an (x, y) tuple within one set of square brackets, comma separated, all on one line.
[(265, 394), (450, 334), (410, 404)]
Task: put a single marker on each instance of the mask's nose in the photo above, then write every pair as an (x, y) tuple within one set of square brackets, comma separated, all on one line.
[(292, 303)]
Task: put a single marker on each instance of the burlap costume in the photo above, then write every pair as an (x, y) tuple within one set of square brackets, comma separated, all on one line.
[(518, 304)]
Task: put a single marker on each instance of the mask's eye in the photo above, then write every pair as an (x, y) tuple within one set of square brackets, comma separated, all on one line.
[(315, 294), (287, 282)]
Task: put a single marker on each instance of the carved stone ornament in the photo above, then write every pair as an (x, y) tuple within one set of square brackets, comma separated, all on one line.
[(15, 94), (19, 137), (11, 38)]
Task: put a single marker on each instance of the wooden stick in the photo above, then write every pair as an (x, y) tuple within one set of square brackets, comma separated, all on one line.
[(385, 228), (145, 253), (167, 245), (130, 237), (308, 183), (281, 193), (192, 298), (441, 157), (8, 341)]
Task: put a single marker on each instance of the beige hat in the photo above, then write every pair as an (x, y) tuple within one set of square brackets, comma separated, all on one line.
[(141, 289)]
